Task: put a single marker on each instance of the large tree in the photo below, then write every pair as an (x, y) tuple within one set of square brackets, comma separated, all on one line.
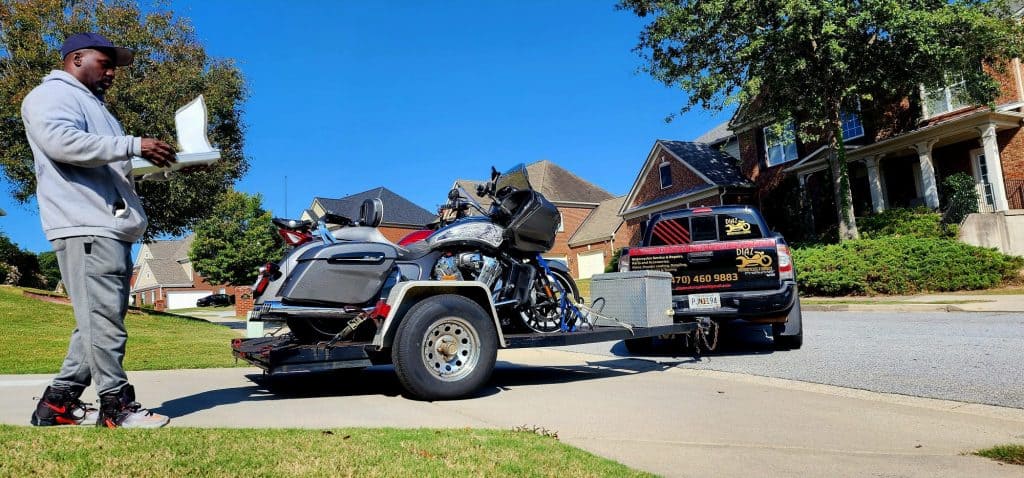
[(171, 67), (810, 60), (235, 240)]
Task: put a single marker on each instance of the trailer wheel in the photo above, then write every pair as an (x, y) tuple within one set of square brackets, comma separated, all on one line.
[(445, 348)]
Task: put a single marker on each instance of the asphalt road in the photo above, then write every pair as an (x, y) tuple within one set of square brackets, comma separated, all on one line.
[(965, 357)]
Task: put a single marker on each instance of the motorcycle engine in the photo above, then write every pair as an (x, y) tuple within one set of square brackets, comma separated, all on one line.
[(474, 265)]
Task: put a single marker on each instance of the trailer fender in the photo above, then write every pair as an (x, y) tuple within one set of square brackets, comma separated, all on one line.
[(406, 294)]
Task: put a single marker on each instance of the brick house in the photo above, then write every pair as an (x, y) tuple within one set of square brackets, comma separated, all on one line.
[(598, 237), (401, 216), (163, 277), (575, 199), (898, 154), (680, 174)]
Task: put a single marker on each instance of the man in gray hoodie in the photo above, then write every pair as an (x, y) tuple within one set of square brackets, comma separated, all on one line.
[(91, 214)]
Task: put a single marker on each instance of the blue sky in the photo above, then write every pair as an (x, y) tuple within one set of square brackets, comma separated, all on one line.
[(410, 95)]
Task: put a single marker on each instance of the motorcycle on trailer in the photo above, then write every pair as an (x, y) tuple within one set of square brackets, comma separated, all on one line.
[(333, 286)]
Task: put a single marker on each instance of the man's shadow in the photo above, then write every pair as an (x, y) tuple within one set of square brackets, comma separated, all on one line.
[(382, 380)]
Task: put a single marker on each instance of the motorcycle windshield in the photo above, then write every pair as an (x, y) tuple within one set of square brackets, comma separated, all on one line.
[(514, 179)]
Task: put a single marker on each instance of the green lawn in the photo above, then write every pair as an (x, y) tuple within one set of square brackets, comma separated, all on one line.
[(36, 335), (1013, 454), (584, 286), (88, 451)]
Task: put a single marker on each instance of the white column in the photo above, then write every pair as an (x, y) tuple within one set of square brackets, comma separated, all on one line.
[(928, 186), (875, 182), (994, 165)]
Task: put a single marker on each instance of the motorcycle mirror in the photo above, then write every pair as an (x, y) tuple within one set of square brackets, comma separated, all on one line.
[(494, 173), (453, 194), (481, 190)]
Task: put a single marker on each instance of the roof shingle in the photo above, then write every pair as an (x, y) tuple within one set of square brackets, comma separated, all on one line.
[(559, 185), (720, 168), (397, 209), (601, 224)]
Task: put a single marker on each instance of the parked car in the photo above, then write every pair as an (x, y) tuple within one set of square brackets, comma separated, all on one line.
[(215, 300)]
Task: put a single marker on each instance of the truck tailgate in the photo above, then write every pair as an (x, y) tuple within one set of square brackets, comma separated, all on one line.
[(714, 266)]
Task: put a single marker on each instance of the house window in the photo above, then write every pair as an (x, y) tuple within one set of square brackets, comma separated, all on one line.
[(945, 99), (780, 145), (561, 227), (852, 127), (985, 185), (666, 175)]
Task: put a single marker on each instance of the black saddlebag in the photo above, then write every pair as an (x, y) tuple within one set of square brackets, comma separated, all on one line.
[(346, 273)]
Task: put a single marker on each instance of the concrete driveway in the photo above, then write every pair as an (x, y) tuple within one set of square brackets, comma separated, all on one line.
[(651, 416)]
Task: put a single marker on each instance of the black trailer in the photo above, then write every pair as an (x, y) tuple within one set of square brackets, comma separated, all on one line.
[(281, 355), (443, 337)]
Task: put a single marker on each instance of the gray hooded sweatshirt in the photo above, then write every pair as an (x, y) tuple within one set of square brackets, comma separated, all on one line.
[(84, 183)]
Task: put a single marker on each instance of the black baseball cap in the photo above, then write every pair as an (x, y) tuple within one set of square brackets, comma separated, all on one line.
[(78, 41)]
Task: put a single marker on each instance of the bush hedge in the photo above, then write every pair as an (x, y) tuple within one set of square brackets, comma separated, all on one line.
[(917, 222), (901, 265)]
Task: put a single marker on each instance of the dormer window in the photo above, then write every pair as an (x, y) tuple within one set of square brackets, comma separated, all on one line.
[(666, 175), (945, 99)]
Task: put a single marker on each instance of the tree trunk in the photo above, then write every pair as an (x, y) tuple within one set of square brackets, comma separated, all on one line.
[(841, 182)]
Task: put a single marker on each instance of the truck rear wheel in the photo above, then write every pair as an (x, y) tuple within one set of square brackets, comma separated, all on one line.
[(445, 348), (790, 336)]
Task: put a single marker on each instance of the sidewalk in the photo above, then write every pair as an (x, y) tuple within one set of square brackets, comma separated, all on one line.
[(651, 416), (952, 302)]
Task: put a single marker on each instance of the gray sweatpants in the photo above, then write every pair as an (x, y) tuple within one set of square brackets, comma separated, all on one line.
[(96, 273)]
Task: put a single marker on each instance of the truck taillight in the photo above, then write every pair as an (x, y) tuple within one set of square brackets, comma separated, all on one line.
[(624, 261), (785, 263)]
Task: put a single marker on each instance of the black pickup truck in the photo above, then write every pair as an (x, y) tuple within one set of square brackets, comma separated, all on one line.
[(725, 264)]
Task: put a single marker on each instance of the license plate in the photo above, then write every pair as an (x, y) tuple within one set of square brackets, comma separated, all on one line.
[(705, 301)]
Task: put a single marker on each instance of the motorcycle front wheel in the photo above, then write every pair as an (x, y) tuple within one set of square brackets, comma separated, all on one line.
[(543, 312)]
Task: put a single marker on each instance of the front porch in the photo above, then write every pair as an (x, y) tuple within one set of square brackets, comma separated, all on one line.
[(907, 170)]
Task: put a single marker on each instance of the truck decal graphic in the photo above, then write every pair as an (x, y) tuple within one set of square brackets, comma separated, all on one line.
[(671, 232), (687, 248)]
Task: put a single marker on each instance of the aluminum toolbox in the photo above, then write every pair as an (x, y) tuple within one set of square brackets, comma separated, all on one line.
[(640, 298)]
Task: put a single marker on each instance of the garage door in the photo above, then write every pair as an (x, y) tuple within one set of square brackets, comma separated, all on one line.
[(590, 263), (184, 300)]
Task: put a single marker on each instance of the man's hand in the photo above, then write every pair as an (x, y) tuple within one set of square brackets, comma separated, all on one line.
[(157, 152)]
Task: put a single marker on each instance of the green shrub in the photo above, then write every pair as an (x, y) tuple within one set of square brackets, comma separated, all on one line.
[(961, 197), (917, 222), (613, 264), (901, 265)]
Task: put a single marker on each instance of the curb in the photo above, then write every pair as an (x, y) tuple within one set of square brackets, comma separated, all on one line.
[(896, 308)]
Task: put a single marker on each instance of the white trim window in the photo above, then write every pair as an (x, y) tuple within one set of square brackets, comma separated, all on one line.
[(984, 186), (943, 100), (665, 169), (852, 126), (780, 145), (561, 225)]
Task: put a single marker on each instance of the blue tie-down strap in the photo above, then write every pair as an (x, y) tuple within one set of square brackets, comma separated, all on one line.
[(570, 315)]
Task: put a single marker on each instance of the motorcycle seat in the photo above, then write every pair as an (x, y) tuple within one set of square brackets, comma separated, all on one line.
[(371, 234), (360, 234)]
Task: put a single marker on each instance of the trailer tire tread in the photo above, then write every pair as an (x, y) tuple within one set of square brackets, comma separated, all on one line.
[(407, 350)]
